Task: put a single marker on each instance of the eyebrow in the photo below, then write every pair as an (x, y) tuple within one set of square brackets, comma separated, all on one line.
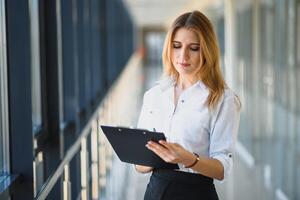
[(193, 43)]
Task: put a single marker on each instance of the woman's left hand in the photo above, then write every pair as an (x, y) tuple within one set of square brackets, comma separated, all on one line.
[(171, 152)]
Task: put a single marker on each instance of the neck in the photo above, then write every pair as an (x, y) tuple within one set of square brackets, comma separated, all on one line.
[(185, 82)]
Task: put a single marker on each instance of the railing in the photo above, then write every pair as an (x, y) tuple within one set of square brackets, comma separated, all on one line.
[(122, 98)]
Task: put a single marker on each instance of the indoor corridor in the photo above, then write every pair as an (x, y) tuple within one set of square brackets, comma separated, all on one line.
[(68, 67)]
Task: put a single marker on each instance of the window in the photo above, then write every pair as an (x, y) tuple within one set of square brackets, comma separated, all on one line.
[(35, 66), (4, 164), (298, 56), (1, 142)]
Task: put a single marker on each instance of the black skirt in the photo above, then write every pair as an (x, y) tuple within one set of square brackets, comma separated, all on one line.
[(178, 185)]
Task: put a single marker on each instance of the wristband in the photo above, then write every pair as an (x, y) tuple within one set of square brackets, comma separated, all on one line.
[(194, 163)]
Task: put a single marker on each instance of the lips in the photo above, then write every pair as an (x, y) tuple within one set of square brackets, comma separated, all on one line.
[(184, 64)]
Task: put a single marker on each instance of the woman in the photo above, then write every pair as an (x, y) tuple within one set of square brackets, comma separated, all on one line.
[(196, 111)]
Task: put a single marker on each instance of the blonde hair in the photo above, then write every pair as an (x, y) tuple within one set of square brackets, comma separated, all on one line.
[(210, 72)]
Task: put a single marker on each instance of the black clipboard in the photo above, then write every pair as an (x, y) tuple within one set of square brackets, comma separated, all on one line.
[(129, 145)]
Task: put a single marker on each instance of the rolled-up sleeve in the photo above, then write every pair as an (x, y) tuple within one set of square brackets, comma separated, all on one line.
[(224, 133)]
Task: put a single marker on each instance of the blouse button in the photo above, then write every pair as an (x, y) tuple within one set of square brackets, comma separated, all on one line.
[(182, 101)]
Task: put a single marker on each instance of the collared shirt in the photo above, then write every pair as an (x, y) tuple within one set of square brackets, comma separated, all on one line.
[(209, 133)]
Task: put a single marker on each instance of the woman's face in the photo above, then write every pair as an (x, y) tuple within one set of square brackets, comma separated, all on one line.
[(185, 53)]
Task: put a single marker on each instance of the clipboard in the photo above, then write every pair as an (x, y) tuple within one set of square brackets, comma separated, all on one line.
[(129, 145)]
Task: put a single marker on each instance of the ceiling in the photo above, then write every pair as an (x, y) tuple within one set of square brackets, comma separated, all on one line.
[(160, 13)]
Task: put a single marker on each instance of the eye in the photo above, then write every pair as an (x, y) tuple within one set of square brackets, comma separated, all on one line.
[(195, 48), (176, 45)]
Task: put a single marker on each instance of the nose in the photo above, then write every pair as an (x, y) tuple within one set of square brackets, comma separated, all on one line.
[(184, 54)]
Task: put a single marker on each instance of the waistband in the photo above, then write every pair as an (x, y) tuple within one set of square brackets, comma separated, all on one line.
[(190, 178)]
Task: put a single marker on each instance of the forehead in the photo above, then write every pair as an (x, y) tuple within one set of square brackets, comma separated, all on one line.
[(186, 36)]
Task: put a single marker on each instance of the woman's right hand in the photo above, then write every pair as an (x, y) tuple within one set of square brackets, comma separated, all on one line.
[(143, 169)]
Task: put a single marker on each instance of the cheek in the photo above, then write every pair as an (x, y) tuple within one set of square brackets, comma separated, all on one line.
[(196, 59), (173, 57)]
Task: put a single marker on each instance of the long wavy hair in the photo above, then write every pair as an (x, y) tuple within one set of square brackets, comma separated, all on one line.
[(210, 72)]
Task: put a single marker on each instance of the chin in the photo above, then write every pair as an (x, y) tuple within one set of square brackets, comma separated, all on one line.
[(184, 72)]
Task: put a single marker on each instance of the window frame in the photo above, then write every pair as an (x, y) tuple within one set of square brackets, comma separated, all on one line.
[(19, 97)]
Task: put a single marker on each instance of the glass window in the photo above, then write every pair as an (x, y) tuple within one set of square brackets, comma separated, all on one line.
[(35, 66), (298, 32), (245, 70), (1, 142), (4, 165), (298, 57), (154, 43)]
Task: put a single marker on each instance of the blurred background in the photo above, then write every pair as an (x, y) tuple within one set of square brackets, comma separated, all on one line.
[(68, 66)]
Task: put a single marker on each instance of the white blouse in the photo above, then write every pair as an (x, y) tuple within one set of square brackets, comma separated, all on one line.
[(190, 123)]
